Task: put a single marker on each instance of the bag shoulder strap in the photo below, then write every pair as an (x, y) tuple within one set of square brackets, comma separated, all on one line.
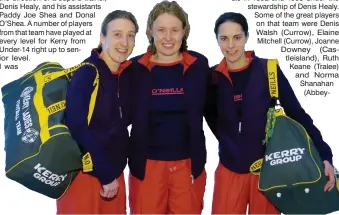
[(94, 93), (272, 65), (277, 110), (69, 72), (87, 162)]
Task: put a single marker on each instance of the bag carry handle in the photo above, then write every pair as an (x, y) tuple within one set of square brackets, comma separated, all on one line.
[(272, 77)]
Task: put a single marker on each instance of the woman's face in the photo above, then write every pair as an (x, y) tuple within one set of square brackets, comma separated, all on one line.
[(168, 32), (232, 40), (119, 41)]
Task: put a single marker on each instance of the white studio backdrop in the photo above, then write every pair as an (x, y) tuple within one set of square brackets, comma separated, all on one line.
[(16, 199)]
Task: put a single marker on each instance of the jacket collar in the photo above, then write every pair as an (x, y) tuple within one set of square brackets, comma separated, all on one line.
[(187, 60)]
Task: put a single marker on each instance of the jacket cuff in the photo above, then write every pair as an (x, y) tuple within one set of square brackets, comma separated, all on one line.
[(105, 174), (327, 158), (103, 170)]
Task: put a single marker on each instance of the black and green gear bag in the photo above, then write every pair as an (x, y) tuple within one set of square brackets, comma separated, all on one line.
[(40, 152), (292, 173)]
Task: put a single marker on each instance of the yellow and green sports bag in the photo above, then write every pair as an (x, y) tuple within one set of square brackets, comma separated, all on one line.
[(40, 152), (292, 172)]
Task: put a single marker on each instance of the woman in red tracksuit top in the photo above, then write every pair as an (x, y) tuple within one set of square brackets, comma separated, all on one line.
[(106, 138), (168, 151), (241, 100)]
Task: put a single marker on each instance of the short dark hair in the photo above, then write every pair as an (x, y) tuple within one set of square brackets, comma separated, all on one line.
[(231, 17), (117, 14)]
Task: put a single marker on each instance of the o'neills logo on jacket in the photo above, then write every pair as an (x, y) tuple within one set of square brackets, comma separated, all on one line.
[(167, 91), (285, 156), (237, 98)]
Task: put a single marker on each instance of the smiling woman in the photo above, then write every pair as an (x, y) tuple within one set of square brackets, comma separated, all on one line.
[(105, 137), (240, 94), (168, 151)]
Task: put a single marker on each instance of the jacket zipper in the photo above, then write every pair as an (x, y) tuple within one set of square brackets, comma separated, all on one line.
[(118, 94), (239, 117)]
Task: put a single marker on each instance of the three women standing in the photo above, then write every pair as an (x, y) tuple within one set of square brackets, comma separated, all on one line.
[(163, 93)]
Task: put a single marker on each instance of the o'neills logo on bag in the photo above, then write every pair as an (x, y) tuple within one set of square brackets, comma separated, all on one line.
[(285, 156), (47, 177)]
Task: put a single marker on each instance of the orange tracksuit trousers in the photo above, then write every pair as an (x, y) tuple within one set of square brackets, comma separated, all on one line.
[(167, 189), (83, 197), (233, 192)]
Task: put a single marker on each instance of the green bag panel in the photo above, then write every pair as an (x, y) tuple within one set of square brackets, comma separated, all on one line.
[(52, 170), (40, 152), (296, 185), (287, 160)]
